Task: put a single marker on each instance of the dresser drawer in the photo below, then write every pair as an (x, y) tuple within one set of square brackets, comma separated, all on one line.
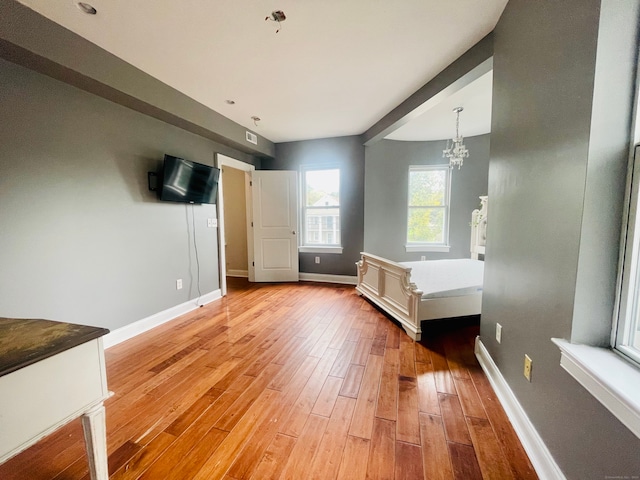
[(38, 399)]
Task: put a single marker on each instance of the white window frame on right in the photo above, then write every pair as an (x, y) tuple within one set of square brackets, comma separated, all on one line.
[(430, 246), (612, 375), (625, 337)]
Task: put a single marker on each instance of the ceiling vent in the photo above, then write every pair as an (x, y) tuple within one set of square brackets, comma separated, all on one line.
[(252, 138)]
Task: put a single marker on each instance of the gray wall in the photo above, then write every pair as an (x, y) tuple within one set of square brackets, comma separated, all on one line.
[(348, 153), (82, 238), (386, 184), (562, 99)]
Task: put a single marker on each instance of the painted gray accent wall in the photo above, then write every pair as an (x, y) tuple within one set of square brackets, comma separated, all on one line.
[(562, 100), (348, 154), (31, 40), (82, 238), (386, 192)]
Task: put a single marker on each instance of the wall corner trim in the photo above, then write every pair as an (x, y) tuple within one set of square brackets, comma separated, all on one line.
[(136, 328), (539, 454), (326, 278)]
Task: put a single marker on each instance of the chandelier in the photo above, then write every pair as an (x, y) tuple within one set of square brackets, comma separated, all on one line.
[(456, 152)]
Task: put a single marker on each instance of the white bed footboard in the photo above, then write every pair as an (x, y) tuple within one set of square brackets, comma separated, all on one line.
[(388, 285)]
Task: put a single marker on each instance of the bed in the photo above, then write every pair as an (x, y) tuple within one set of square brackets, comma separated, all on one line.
[(412, 292)]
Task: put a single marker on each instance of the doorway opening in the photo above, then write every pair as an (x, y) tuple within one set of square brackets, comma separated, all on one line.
[(234, 220)]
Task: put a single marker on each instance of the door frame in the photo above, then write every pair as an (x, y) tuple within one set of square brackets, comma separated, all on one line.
[(225, 161)]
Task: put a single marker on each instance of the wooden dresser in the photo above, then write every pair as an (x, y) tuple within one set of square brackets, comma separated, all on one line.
[(52, 373)]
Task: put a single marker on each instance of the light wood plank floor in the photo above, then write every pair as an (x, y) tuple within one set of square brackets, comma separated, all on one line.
[(292, 381)]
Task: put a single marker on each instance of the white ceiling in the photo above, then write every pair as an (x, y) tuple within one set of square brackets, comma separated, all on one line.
[(335, 68), (439, 122)]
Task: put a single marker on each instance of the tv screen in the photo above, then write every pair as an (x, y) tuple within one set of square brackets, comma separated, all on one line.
[(188, 182)]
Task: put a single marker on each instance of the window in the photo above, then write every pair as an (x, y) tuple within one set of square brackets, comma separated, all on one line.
[(428, 208), (321, 209), (626, 334), (611, 379)]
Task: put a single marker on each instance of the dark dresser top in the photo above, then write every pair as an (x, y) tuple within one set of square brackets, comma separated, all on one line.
[(27, 341)]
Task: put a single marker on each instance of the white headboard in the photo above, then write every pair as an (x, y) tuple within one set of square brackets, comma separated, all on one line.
[(479, 228)]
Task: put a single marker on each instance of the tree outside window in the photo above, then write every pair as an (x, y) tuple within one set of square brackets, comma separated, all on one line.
[(428, 205)]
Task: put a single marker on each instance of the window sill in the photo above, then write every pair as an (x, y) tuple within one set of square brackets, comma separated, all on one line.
[(427, 248), (318, 249), (608, 377)]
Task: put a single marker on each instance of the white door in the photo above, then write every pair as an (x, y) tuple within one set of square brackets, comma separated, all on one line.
[(275, 225)]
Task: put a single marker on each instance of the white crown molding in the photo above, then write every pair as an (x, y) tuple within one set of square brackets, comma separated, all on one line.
[(542, 460), (136, 328)]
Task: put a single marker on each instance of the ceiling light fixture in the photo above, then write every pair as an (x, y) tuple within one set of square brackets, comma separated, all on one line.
[(86, 8), (276, 16), (230, 102), (456, 151)]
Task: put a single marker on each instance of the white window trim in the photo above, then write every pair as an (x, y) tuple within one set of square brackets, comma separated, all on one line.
[(611, 379), (628, 281), (612, 375), (430, 247), (426, 247), (302, 248), (318, 249)]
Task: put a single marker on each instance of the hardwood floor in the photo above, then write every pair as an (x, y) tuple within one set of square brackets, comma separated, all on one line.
[(292, 381)]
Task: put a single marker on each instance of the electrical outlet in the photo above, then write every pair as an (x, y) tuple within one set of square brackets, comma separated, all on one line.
[(317, 259), (212, 222), (498, 333), (423, 258), (179, 284), (527, 367)]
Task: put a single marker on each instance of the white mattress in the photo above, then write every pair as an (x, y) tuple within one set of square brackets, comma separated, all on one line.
[(447, 278)]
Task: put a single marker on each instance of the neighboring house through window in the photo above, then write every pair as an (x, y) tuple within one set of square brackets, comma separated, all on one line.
[(428, 208), (321, 210)]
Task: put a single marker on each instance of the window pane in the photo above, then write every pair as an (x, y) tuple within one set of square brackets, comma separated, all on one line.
[(427, 187), (632, 339), (635, 337), (627, 339), (426, 225), (321, 207), (322, 226), (322, 187)]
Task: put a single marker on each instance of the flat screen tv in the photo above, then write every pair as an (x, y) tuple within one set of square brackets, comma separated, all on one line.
[(188, 182)]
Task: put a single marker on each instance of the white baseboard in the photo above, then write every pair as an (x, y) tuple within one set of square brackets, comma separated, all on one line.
[(238, 273), (539, 454), (136, 328), (327, 278)]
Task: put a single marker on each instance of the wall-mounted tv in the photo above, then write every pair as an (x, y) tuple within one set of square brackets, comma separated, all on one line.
[(188, 182)]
